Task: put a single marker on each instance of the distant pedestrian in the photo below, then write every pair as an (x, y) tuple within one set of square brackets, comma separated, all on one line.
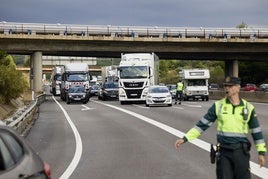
[(235, 117), (179, 88)]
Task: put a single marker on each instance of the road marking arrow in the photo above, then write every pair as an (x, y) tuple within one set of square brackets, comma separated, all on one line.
[(85, 108)]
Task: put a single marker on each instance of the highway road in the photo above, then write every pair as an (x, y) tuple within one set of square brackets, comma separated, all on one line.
[(103, 139)]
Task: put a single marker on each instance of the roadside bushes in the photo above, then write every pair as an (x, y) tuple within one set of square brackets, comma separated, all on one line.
[(12, 82)]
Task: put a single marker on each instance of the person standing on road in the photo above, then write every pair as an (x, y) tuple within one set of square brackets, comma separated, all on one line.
[(179, 88), (235, 117)]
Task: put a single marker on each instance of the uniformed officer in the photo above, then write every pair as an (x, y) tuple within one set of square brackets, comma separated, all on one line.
[(179, 88), (235, 117)]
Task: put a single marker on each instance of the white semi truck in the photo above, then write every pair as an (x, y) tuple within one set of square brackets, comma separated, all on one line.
[(56, 79), (75, 78), (136, 72), (195, 84)]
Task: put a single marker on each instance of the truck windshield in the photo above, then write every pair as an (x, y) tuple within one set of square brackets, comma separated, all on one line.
[(133, 72), (197, 82), (77, 77)]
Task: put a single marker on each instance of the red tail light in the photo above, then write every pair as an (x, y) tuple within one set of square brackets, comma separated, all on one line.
[(47, 170)]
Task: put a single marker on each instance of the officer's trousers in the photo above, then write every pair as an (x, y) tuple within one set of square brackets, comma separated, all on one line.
[(233, 164), (178, 96)]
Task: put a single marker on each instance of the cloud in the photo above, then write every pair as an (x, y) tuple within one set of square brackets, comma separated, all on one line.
[(207, 13)]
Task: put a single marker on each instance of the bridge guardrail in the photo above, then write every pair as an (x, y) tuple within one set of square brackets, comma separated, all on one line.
[(21, 121), (131, 31)]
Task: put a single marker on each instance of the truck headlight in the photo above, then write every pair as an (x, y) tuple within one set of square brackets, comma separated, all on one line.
[(145, 91), (121, 91)]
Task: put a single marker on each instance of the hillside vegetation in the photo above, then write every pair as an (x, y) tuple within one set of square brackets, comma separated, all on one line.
[(12, 86)]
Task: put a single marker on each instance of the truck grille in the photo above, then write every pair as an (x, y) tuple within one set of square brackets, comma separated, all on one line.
[(133, 94)]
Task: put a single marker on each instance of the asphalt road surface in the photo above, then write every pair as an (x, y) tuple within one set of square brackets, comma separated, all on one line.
[(103, 139)]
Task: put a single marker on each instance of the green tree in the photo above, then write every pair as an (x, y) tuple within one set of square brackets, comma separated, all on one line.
[(12, 82), (242, 25)]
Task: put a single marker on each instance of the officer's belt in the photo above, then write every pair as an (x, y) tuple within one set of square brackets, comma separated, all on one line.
[(232, 146)]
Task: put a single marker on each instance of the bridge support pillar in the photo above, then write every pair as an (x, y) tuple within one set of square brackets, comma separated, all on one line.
[(231, 68), (36, 72)]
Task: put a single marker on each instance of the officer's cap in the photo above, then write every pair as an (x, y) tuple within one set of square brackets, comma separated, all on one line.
[(231, 80)]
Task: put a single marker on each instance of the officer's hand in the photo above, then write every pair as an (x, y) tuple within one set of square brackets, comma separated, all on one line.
[(261, 159), (178, 143)]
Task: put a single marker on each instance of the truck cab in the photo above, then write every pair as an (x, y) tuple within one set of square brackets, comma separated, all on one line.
[(75, 76), (136, 72), (195, 84)]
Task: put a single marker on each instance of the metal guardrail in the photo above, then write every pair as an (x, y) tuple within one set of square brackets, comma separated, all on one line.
[(131, 31), (21, 121)]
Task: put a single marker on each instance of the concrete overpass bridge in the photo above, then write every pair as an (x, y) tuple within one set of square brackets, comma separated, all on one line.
[(227, 44)]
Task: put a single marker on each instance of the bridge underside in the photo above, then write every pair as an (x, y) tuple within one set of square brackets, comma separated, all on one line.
[(193, 49)]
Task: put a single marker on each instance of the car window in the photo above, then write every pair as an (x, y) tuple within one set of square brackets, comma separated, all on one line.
[(14, 146), (7, 160), (159, 90)]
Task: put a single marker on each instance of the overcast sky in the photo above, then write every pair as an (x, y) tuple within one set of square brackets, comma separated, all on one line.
[(167, 13)]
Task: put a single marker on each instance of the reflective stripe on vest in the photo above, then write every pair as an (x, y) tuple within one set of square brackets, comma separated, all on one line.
[(232, 124)]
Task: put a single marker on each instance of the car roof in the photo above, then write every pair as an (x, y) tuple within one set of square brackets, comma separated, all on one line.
[(158, 86)]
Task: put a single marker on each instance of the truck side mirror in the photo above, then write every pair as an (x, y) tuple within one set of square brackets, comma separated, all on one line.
[(150, 72)]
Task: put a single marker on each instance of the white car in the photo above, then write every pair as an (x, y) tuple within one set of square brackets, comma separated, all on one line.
[(158, 96)]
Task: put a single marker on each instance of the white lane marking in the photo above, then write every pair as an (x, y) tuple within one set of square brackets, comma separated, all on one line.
[(177, 107), (86, 108), (255, 169), (78, 150), (194, 106)]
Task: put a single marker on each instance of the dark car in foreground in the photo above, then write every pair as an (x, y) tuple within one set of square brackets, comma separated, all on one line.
[(109, 90), (18, 159), (77, 93)]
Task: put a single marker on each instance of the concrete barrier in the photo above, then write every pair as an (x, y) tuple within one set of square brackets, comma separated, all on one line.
[(257, 96)]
